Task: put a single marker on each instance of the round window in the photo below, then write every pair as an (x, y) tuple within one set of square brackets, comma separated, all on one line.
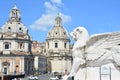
[(9, 27), (20, 28)]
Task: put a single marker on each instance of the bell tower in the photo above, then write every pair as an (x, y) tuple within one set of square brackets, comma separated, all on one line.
[(15, 14)]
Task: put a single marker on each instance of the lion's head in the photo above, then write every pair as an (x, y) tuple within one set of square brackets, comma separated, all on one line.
[(79, 32)]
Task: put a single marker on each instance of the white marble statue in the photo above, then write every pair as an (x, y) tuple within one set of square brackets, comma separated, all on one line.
[(94, 51)]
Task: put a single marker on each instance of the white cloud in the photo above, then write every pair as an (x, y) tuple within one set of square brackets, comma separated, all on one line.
[(47, 19), (57, 1), (50, 8)]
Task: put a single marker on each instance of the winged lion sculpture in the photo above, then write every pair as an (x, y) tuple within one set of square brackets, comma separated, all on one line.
[(94, 51)]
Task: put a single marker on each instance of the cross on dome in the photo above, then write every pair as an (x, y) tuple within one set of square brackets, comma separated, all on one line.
[(15, 7)]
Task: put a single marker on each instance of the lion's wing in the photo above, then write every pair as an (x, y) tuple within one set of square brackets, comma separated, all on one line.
[(100, 43)]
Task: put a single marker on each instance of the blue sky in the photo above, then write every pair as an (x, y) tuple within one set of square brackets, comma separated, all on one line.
[(98, 16)]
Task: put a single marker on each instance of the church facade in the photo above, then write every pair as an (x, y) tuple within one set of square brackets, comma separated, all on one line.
[(15, 46), (18, 53), (58, 47)]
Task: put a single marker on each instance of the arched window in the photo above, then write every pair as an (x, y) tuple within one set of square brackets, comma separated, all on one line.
[(7, 45), (48, 45), (65, 45), (21, 45), (56, 45), (64, 33)]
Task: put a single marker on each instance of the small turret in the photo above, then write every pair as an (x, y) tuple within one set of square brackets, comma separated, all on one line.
[(15, 14), (58, 21)]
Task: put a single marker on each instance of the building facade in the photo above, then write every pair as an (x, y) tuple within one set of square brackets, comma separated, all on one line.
[(38, 48), (58, 47), (40, 59), (15, 46)]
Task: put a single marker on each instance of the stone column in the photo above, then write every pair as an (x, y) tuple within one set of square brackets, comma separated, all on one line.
[(13, 63)]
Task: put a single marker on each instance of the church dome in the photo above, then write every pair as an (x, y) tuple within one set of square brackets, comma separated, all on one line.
[(14, 28), (58, 31)]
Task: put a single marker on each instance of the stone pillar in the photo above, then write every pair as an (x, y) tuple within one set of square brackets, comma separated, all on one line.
[(26, 47), (23, 65), (15, 45), (2, 77), (11, 65), (36, 62), (0, 65), (20, 67)]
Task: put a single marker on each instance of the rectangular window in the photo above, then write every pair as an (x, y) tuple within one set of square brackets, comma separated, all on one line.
[(6, 46), (5, 70), (56, 45)]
